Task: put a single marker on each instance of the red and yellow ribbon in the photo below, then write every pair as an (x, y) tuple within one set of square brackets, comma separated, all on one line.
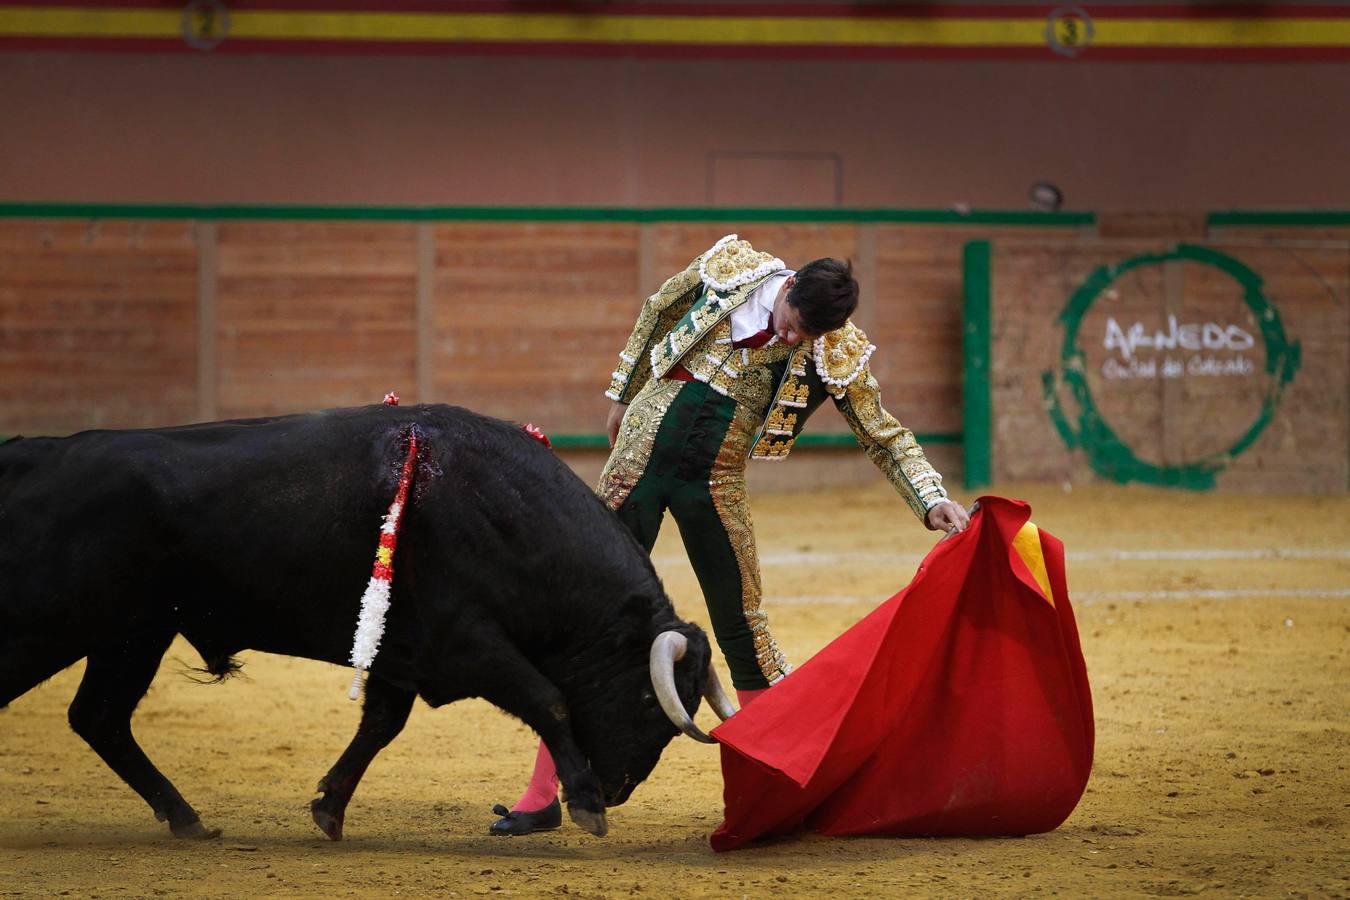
[(1034, 31)]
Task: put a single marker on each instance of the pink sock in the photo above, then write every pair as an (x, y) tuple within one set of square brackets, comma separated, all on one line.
[(746, 697), (543, 786)]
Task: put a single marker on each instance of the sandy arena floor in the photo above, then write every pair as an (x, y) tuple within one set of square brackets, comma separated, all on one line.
[(1216, 630)]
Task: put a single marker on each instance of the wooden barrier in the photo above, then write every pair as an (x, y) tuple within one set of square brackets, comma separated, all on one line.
[(98, 324), (232, 312), (164, 315), (314, 314), (530, 317), (1199, 365)]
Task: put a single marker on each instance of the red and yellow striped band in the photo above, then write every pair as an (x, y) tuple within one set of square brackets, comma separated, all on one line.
[(1273, 31)]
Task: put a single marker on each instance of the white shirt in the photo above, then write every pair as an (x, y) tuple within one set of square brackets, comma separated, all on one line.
[(752, 316)]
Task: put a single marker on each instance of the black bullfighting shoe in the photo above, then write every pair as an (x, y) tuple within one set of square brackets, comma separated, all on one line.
[(520, 822)]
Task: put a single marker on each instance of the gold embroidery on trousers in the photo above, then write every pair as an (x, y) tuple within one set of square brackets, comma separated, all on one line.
[(726, 485)]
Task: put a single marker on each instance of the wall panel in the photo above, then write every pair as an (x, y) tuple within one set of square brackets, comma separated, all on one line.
[(97, 324), (100, 319), (916, 322), (1219, 365), (314, 314), (452, 129), (530, 318)]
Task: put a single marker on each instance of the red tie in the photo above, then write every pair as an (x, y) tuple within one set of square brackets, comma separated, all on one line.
[(753, 342)]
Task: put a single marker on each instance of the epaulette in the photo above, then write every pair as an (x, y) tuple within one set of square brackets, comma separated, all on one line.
[(840, 356), (732, 262)]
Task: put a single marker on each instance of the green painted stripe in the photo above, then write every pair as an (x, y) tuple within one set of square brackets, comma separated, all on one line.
[(848, 440), (1298, 218), (568, 441), (976, 273), (542, 214), (574, 441), (563, 441)]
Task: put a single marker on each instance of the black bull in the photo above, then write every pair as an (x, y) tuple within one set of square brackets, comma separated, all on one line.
[(512, 583)]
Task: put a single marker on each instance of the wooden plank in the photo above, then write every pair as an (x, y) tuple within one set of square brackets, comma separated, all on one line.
[(1280, 233), (208, 265), (315, 314), (1172, 397), (1133, 225), (1305, 447), (865, 271), (649, 277), (426, 313), (916, 319), (97, 324), (530, 318), (1031, 283)]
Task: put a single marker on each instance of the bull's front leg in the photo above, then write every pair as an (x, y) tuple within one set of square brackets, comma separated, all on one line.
[(546, 712), (536, 701)]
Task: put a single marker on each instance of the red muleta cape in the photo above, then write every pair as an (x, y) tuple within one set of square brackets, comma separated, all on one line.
[(958, 707)]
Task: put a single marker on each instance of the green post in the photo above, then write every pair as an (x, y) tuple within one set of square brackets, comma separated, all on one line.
[(975, 384)]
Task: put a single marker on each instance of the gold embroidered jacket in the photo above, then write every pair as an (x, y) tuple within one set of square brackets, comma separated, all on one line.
[(687, 321)]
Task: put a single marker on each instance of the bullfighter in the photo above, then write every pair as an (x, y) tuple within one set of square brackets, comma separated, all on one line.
[(727, 361)]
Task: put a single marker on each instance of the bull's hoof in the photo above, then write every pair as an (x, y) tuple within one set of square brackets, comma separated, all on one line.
[(592, 821), (329, 823), (194, 831)]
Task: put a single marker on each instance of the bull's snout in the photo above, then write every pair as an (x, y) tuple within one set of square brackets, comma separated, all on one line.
[(617, 796)]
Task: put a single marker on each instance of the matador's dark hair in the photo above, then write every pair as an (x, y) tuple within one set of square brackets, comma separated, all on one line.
[(824, 293)]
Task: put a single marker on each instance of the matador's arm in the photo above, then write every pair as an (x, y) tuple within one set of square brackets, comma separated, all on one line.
[(890, 445), (659, 314)]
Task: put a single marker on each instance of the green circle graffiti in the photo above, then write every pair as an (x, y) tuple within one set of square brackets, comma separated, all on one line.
[(1107, 454)]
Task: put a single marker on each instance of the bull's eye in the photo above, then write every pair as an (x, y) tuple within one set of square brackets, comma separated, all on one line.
[(649, 698)]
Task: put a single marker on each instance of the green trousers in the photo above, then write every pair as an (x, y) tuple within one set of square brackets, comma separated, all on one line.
[(683, 447)]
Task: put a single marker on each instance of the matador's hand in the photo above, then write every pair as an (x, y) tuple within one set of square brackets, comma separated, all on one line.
[(615, 419), (948, 516)]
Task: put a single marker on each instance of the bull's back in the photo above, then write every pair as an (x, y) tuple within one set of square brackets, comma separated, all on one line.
[(110, 530), (261, 533), (74, 525)]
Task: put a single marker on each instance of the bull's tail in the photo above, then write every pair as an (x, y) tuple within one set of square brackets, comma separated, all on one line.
[(217, 669)]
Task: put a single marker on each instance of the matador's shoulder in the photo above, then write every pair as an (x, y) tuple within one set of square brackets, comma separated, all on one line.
[(841, 356), (732, 262)]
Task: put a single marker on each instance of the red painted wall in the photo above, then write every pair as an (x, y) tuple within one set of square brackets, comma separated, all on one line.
[(104, 127)]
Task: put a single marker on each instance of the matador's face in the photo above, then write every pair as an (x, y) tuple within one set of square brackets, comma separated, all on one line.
[(787, 321)]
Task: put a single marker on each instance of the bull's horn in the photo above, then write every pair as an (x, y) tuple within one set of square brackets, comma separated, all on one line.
[(668, 649), (716, 695)]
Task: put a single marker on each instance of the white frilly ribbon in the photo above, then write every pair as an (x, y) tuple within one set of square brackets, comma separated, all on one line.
[(375, 600)]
